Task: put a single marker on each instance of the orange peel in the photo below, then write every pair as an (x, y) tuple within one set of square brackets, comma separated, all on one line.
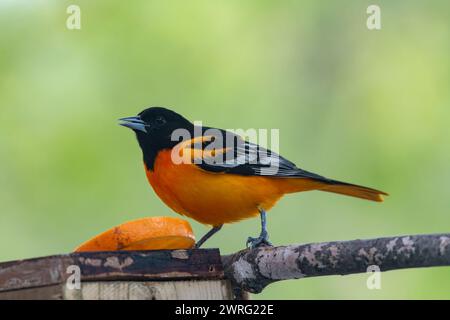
[(155, 233)]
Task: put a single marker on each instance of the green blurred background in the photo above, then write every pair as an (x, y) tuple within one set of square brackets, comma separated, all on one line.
[(368, 107)]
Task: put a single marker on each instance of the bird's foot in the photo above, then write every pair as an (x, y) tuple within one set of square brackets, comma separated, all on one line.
[(262, 240)]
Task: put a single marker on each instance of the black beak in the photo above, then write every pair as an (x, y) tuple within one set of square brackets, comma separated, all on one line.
[(134, 123)]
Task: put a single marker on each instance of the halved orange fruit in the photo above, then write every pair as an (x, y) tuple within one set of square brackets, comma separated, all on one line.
[(155, 233)]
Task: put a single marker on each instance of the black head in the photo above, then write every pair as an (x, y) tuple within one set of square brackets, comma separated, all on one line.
[(153, 128)]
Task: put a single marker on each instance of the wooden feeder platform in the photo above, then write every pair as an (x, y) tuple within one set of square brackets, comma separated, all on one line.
[(122, 275)]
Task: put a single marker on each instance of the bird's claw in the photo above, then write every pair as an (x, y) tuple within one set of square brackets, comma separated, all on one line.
[(262, 240)]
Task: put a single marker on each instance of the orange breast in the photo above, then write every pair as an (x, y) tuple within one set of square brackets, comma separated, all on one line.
[(212, 198)]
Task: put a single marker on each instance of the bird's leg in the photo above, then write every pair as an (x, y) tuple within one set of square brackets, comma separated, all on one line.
[(263, 238), (208, 235)]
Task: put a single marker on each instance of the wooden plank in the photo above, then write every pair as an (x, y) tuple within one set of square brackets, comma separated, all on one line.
[(31, 273), (152, 290), (161, 264), (41, 293), (115, 265), (129, 290)]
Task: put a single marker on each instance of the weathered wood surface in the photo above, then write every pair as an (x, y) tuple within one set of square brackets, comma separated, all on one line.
[(152, 290), (129, 290), (54, 292), (170, 265)]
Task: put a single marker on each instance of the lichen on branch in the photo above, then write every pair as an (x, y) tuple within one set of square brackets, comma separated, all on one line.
[(253, 269)]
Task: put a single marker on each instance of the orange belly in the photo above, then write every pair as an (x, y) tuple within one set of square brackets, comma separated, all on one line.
[(211, 198), (218, 198)]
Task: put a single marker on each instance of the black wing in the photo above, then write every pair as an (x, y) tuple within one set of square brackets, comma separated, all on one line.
[(237, 156)]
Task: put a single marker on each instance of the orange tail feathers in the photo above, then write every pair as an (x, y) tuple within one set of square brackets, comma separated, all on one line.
[(348, 189), (354, 190)]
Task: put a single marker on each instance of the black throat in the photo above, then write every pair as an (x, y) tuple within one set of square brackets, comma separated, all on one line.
[(151, 144)]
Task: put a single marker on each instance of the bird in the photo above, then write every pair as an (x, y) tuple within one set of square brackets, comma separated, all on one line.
[(199, 176)]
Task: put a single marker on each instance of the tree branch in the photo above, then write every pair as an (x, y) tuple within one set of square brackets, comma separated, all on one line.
[(253, 269)]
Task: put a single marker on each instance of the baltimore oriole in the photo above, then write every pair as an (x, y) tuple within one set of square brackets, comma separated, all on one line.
[(224, 183)]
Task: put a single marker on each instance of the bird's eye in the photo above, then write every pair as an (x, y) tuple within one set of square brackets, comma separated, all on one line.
[(160, 120)]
